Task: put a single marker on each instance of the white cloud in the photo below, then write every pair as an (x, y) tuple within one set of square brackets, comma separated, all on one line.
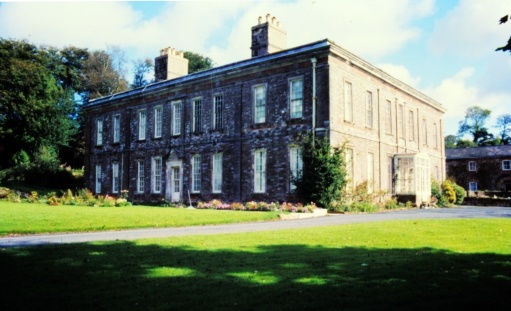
[(218, 29), (471, 28)]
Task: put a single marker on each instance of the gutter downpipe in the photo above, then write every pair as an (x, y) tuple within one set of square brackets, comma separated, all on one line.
[(313, 61)]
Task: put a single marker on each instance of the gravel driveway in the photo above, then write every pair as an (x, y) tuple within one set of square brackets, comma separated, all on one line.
[(329, 220)]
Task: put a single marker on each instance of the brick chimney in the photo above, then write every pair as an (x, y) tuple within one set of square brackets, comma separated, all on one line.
[(267, 37), (170, 64)]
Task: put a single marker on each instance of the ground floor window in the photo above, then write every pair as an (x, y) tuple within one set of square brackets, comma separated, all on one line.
[(196, 173), (156, 172), (260, 171), (115, 177), (98, 178), (217, 172), (296, 165), (140, 176), (472, 186)]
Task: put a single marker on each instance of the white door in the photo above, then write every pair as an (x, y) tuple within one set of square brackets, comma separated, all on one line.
[(174, 183)]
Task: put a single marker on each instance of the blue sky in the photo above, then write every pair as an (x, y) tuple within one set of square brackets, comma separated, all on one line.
[(444, 48)]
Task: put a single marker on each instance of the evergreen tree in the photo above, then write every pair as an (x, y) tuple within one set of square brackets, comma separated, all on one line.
[(324, 172)]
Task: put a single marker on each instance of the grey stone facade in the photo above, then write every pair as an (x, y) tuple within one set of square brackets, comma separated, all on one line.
[(243, 139)]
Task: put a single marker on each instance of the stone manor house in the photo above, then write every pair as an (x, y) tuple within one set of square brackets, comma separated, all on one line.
[(233, 132)]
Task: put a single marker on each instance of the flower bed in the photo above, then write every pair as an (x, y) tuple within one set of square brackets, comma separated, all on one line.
[(258, 206)]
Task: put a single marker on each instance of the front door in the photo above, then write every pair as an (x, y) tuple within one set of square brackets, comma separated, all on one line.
[(174, 181)]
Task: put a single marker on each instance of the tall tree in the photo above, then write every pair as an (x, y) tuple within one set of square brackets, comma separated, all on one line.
[(35, 108), (474, 124), (142, 67), (324, 173), (504, 124), (101, 77), (450, 141), (197, 62)]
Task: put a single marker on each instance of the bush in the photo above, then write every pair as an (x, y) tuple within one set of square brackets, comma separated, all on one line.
[(461, 194), (448, 192)]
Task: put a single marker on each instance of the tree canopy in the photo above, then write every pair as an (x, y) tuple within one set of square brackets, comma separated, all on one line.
[(506, 47), (197, 62)]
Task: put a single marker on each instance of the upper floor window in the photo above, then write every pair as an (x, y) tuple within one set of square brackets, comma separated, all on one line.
[(115, 177), (435, 136), (157, 121), (348, 101), (388, 117), (369, 109), (176, 118), (401, 120), (296, 98), (411, 127), (156, 171), (196, 173), (197, 115), (141, 124), (506, 165), (260, 171), (218, 112), (295, 165), (424, 132), (260, 104), (217, 172), (471, 166), (117, 128), (99, 137)]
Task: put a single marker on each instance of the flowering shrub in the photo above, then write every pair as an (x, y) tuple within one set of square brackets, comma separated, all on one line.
[(257, 206)]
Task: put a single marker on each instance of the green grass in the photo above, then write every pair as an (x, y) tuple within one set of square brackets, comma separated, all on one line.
[(462, 264), (27, 218)]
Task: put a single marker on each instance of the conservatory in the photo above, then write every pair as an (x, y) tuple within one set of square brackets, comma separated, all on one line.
[(412, 179)]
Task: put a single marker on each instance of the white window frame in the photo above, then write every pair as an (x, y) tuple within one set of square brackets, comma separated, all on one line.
[(259, 171), (98, 179), (196, 173), (99, 134), (156, 173), (217, 172), (296, 98), (177, 110), (472, 186), (115, 177), (472, 166), (197, 115), (424, 131), (158, 116), (369, 110), (435, 135), (117, 128), (411, 125), (140, 177), (142, 119), (259, 93), (401, 120), (506, 165), (348, 101), (295, 165), (388, 117), (218, 111)]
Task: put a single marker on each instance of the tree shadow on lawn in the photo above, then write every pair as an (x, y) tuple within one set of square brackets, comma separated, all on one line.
[(127, 276)]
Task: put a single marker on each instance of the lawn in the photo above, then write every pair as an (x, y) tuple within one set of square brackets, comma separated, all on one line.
[(27, 218), (393, 265)]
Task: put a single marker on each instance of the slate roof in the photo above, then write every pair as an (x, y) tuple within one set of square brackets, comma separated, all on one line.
[(478, 152)]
